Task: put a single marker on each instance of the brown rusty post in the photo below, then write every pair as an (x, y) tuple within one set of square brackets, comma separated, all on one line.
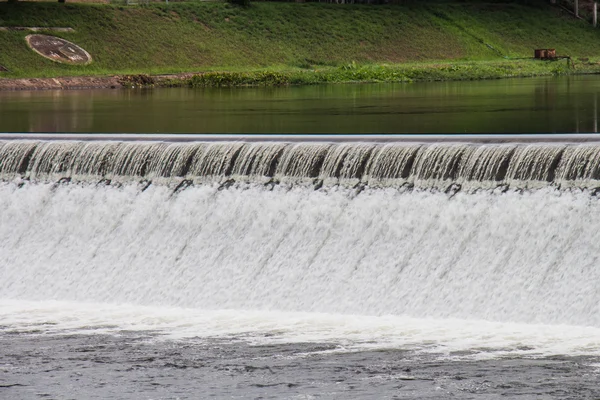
[(540, 54)]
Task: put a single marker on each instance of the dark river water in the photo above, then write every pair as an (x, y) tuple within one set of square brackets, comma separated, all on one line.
[(131, 366), (552, 104)]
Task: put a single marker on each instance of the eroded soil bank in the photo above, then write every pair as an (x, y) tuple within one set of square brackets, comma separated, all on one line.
[(89, 82)]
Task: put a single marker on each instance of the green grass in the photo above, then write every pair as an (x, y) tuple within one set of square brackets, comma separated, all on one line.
[(301, 42), (469, 70)]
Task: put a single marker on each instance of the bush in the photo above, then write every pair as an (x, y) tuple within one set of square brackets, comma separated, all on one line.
[(227, 79)]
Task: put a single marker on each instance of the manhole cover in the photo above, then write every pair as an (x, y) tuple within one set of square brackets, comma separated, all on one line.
[(59, 50)]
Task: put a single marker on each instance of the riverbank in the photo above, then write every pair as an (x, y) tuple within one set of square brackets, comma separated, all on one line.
[(303, 41), (218, 44), (411, 72), (351, 73), (92, 82)]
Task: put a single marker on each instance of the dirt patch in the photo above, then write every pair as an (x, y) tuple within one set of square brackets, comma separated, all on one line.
[(60, 83), (35, 29), (91, 82), (59, 50), (140, 80), (197, 21)]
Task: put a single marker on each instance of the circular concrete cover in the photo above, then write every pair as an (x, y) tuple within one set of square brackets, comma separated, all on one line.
[(59, 50)]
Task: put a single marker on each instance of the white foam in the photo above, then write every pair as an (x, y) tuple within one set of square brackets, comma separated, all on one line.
[(479, 339), (382, 268)]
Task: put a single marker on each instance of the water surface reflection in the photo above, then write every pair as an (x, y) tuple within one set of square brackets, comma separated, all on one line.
[(565, 104)]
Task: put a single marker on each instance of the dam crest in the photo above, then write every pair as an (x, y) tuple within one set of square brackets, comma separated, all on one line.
[(412, 164)]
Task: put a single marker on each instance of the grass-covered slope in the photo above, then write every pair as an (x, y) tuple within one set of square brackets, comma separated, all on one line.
[(198, 36)]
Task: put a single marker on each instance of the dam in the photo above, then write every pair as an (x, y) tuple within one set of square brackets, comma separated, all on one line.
[(411, 164), (471, 250)]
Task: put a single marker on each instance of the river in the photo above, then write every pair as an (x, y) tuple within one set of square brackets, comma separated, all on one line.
[(551, 104), (301, 270)]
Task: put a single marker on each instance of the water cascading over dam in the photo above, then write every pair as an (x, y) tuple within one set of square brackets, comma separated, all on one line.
[(499, 232), (420, 165)]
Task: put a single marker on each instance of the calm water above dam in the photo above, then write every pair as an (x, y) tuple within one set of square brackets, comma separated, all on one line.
[(552, 104)]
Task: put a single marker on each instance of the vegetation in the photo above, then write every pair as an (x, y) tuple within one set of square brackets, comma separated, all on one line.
[(473, 70), (286, 43)]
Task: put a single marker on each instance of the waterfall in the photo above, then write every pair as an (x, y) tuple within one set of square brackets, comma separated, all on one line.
[(421, 165)]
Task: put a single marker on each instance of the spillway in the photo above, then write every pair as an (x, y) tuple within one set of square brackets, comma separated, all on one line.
[(414, 165), (497, 232)]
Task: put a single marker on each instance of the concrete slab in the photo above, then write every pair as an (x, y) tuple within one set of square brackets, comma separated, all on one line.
[(58, 49)]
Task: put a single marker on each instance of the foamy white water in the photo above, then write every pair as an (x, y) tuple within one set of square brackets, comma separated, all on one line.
[(471, 339), (515, 272)]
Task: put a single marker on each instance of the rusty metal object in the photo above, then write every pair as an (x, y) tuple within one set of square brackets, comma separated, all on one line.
[(548, 54), (59, 50), (540, 54)]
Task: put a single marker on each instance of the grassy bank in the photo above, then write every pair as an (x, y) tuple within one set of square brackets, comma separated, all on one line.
[(281, 43), (470, 70)]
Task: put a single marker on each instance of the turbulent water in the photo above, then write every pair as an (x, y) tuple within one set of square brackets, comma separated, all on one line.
[(412, 164), (191, 250)]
